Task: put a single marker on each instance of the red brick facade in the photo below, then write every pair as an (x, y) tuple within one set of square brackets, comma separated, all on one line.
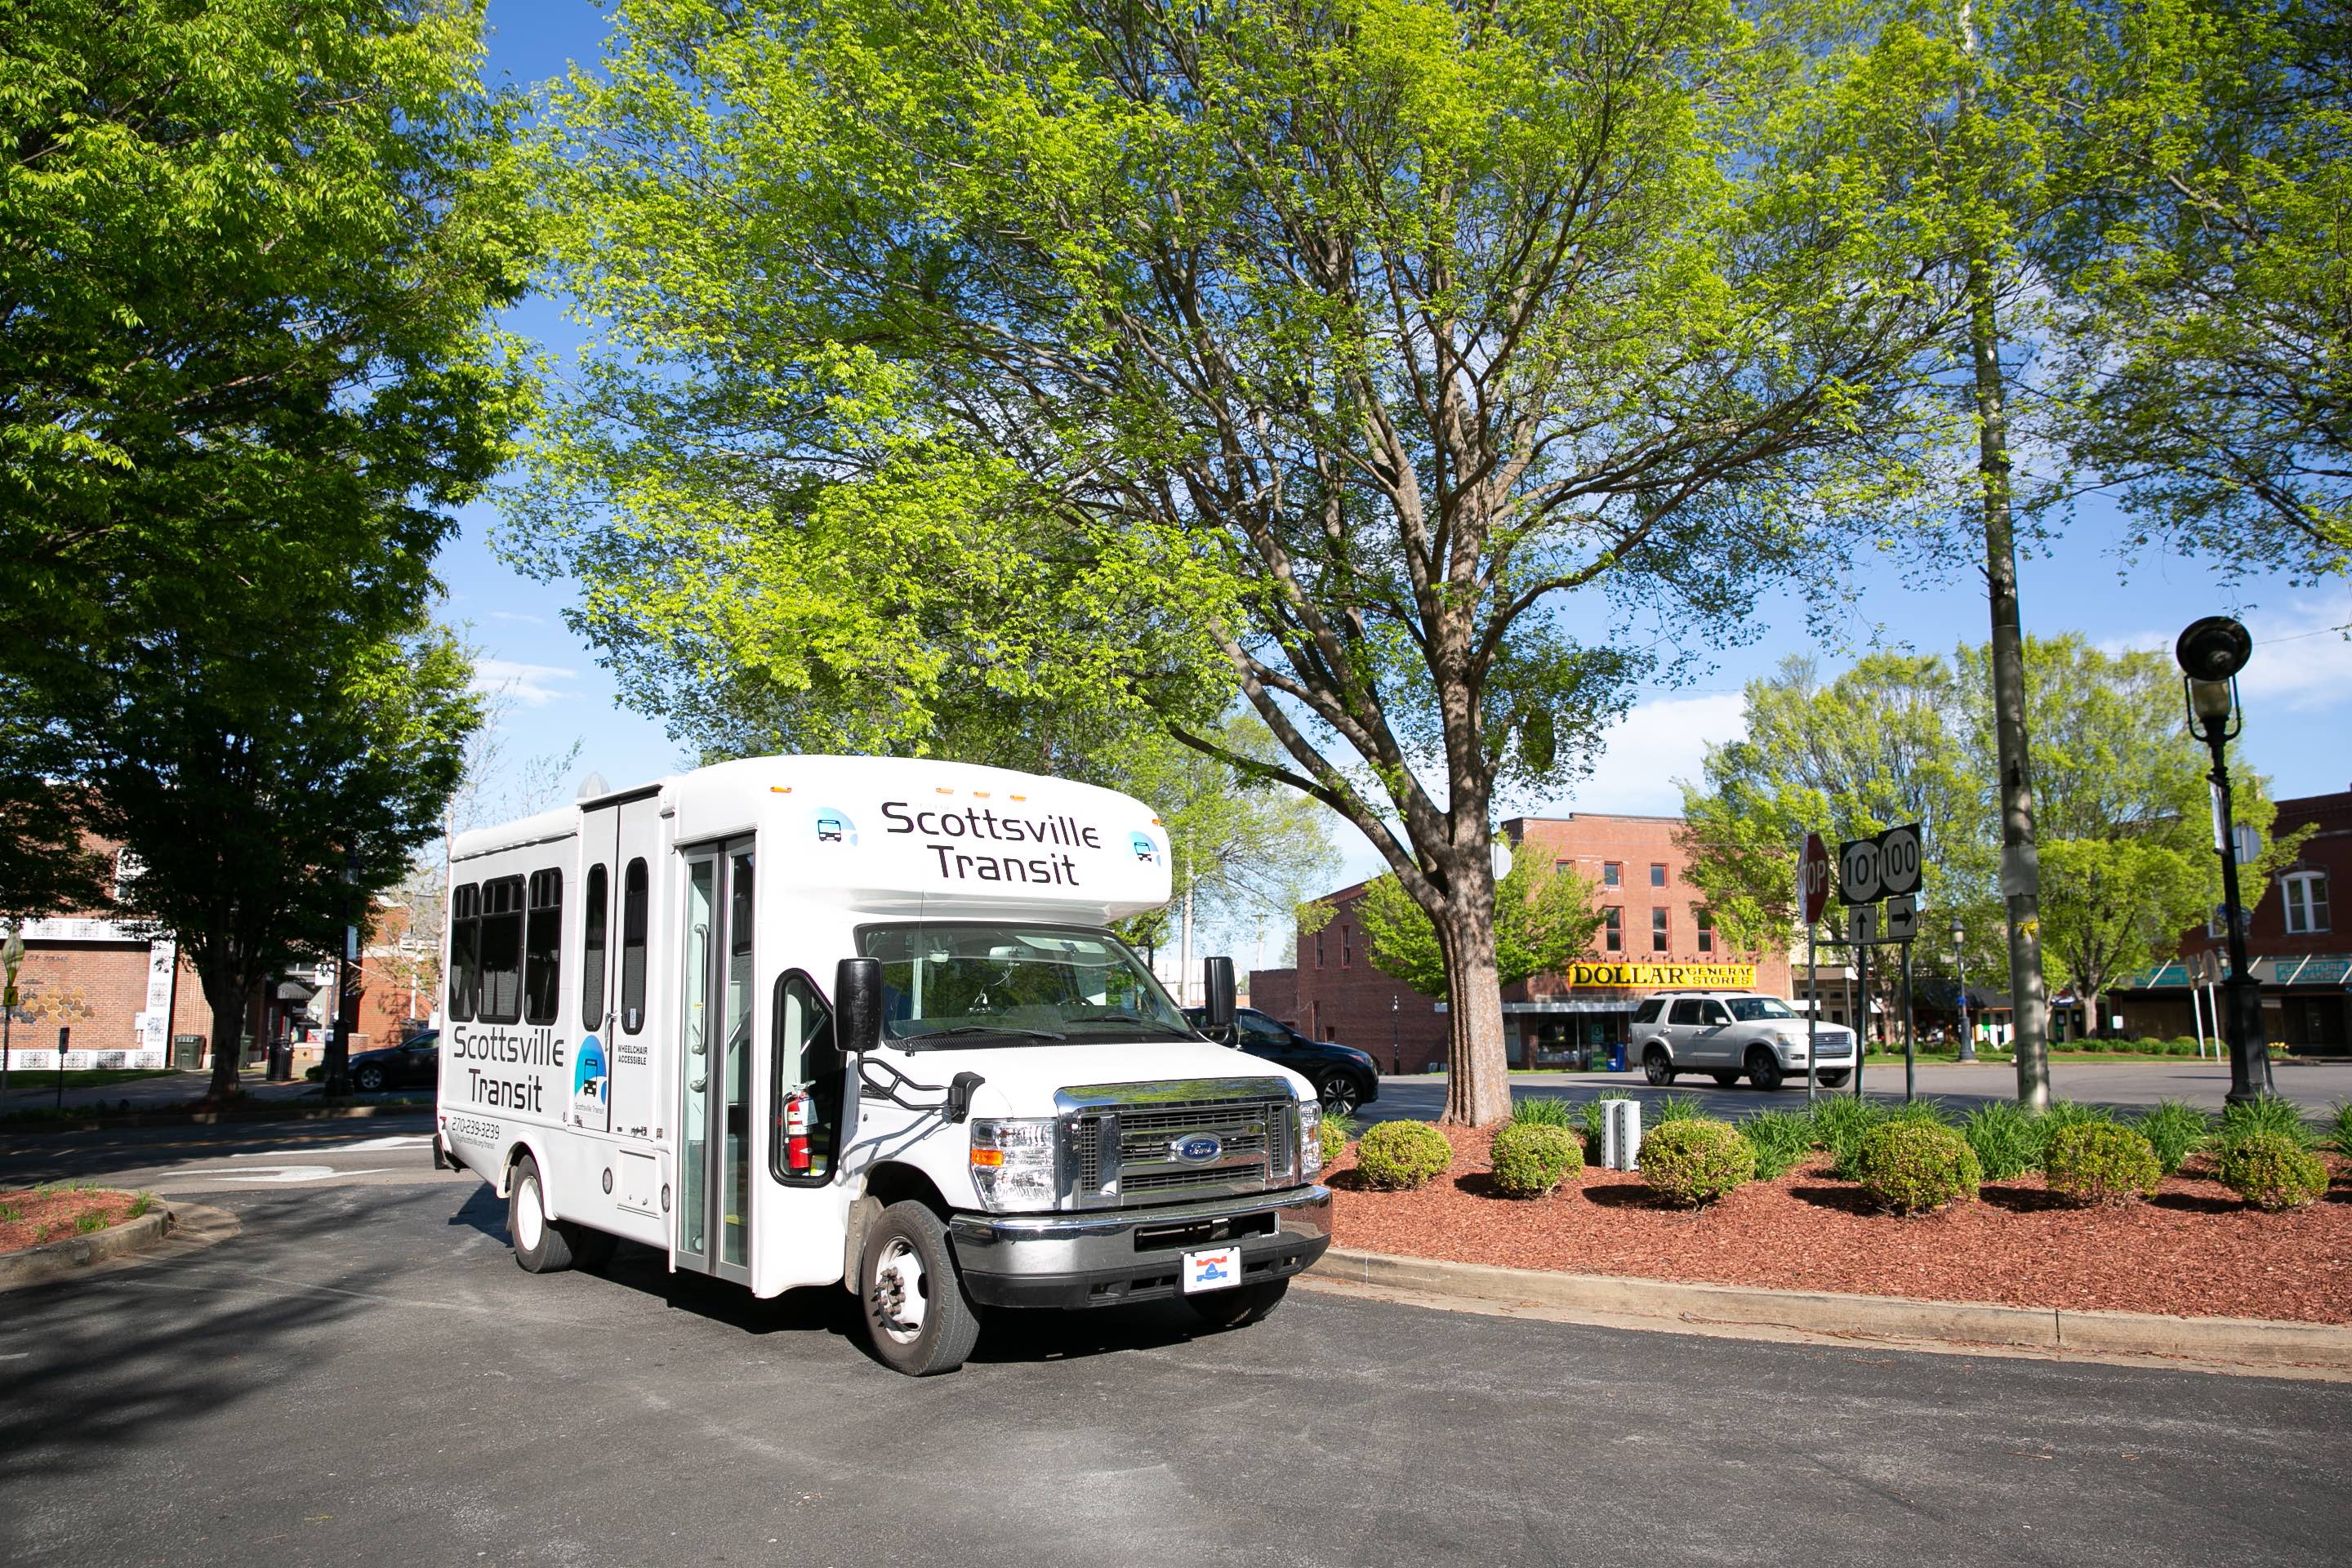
[(1340, 996)]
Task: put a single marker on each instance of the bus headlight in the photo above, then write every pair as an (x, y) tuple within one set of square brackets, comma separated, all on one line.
[(1310, 1138), (1013, 1164)]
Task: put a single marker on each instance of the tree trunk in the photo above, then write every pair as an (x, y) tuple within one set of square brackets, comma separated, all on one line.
[(1478, 1080), (227, 997), (2021, 865)]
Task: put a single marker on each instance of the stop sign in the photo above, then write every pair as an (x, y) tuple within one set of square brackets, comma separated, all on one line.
[(1813, 877)]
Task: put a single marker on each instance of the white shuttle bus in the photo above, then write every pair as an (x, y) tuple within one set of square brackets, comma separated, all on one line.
[(806, 1020)]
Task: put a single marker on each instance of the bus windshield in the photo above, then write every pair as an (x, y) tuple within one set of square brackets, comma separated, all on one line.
[(947, 985)]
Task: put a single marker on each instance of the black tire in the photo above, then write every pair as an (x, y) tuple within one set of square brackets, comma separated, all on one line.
[(918, 1317), (1833, 1079), (1239, 1307), (1725, 1079), (368, 1080), (1658, 1067), (1340, 1093), (1763, 1068), (527, 1217), (591, 1248)]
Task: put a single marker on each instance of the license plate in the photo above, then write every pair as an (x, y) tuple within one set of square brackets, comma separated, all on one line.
[(1213, 1270)]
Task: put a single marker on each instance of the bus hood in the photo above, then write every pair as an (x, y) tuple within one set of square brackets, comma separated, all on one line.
[(1021, 1079)]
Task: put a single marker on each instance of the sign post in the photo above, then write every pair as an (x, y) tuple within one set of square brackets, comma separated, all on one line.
[(1883, 869), (1812, 892)]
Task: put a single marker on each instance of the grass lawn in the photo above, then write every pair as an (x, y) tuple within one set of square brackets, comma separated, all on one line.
[(81, 1078)]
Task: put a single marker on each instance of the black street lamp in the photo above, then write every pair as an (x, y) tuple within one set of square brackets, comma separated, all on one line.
[(1396, 1050), (1960, 961), (2210, 652)]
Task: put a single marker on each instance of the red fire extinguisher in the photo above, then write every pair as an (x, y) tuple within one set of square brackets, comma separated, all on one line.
[(800, 1112)]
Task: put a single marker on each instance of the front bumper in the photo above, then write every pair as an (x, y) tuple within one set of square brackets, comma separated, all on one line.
[(1133, 1254)]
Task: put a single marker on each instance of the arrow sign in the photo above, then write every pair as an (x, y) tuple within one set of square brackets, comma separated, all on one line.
[(1813, 877), (1901, 919)]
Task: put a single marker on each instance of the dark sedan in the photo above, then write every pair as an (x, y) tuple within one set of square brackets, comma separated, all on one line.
[(1344, 1077), (414, 1061)]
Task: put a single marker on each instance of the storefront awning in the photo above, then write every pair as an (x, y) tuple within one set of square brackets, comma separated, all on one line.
[(2290, 969)]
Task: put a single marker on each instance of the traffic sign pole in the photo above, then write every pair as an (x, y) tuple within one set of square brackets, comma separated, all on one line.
[(1812, 892), (1910, 1035), (1862, 984)]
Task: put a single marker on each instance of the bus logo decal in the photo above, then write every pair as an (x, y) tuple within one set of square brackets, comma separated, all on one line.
[(832, 826)]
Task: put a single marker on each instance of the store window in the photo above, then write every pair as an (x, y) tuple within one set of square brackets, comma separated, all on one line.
[(2306, 902), (1657, 930), (1612, 929)]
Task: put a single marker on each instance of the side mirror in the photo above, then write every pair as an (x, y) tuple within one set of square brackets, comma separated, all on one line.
[(1217, 996), (858, 1004)]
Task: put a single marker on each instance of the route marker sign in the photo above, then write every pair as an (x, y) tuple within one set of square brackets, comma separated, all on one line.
[(1882, 867)]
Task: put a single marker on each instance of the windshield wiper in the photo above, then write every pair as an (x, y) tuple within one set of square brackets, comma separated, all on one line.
[(984, 1029), (1171, 1030)]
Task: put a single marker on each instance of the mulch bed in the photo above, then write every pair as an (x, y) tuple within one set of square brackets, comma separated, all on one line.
[(53, 1214), (2193, 1250)]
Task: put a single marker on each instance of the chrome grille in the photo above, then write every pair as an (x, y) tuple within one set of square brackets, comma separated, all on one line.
[(1119, 1140)]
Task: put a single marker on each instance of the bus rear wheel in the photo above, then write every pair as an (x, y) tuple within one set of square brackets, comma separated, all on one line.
[(540, 1246), (917, 1316)]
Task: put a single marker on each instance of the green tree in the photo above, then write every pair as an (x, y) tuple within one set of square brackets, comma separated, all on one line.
[(2209, 338), (1543, 922), (248, 251), (1109, 360), (271, 772)]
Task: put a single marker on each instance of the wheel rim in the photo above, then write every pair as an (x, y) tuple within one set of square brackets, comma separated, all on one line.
[(1340, 1095), (1764, 1071), (371, 1078), (530, 1223), (900, 1300), (1655, 1066)]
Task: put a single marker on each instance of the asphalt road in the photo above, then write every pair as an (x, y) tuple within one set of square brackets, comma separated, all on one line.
[(2317, 1086), (363, 1376)]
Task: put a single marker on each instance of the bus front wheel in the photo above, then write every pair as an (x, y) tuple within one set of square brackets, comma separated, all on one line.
[(917, 1315)]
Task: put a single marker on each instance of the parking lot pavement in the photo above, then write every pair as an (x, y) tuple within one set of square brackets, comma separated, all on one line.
[(362, 1376), (2317, 1086)]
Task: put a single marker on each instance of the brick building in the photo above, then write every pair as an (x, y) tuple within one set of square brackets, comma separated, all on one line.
[(2293, 946), (1656, 935), (127, 995)]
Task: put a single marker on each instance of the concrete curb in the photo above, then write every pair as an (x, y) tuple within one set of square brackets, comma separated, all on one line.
[(38, 1263), (2253, 1345), (209, 1118)]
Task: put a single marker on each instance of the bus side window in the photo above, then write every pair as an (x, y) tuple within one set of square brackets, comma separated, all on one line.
[(502, 946), (805, 1061), (464, 950), (542, 946), (632, 947), (592, 952)]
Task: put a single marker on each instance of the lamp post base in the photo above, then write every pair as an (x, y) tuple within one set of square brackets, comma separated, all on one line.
[(2250, 1057)]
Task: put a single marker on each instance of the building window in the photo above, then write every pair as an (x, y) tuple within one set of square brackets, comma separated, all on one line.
[(1612, 929), (1657, 876), (1705, 918), (1560, 867), (1318, 950), (1657, 930), (1612, 874), (1347, 946), (2306, 902)]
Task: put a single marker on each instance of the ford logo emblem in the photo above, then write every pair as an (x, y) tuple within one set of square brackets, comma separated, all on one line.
[(1197, 1149)]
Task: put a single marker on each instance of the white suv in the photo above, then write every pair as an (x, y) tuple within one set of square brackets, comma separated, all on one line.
[(1732, 1035)]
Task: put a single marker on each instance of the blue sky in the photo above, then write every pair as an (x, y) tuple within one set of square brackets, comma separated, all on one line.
[(2298, 687)]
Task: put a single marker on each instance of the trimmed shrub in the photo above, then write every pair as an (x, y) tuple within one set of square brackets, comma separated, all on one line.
[(2272, 1171), (2271, 1114), (1913, 1167), (1544, 1111), (2101, 1163), (1840, 1123), (1781, 1140), (1531, 1158), (1400, 1155), (2063, 1114), (1695, 1159), (2175, 1130), (1931, 1112), (1676, 1107), (1334, 1132), (2006, 1141)]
